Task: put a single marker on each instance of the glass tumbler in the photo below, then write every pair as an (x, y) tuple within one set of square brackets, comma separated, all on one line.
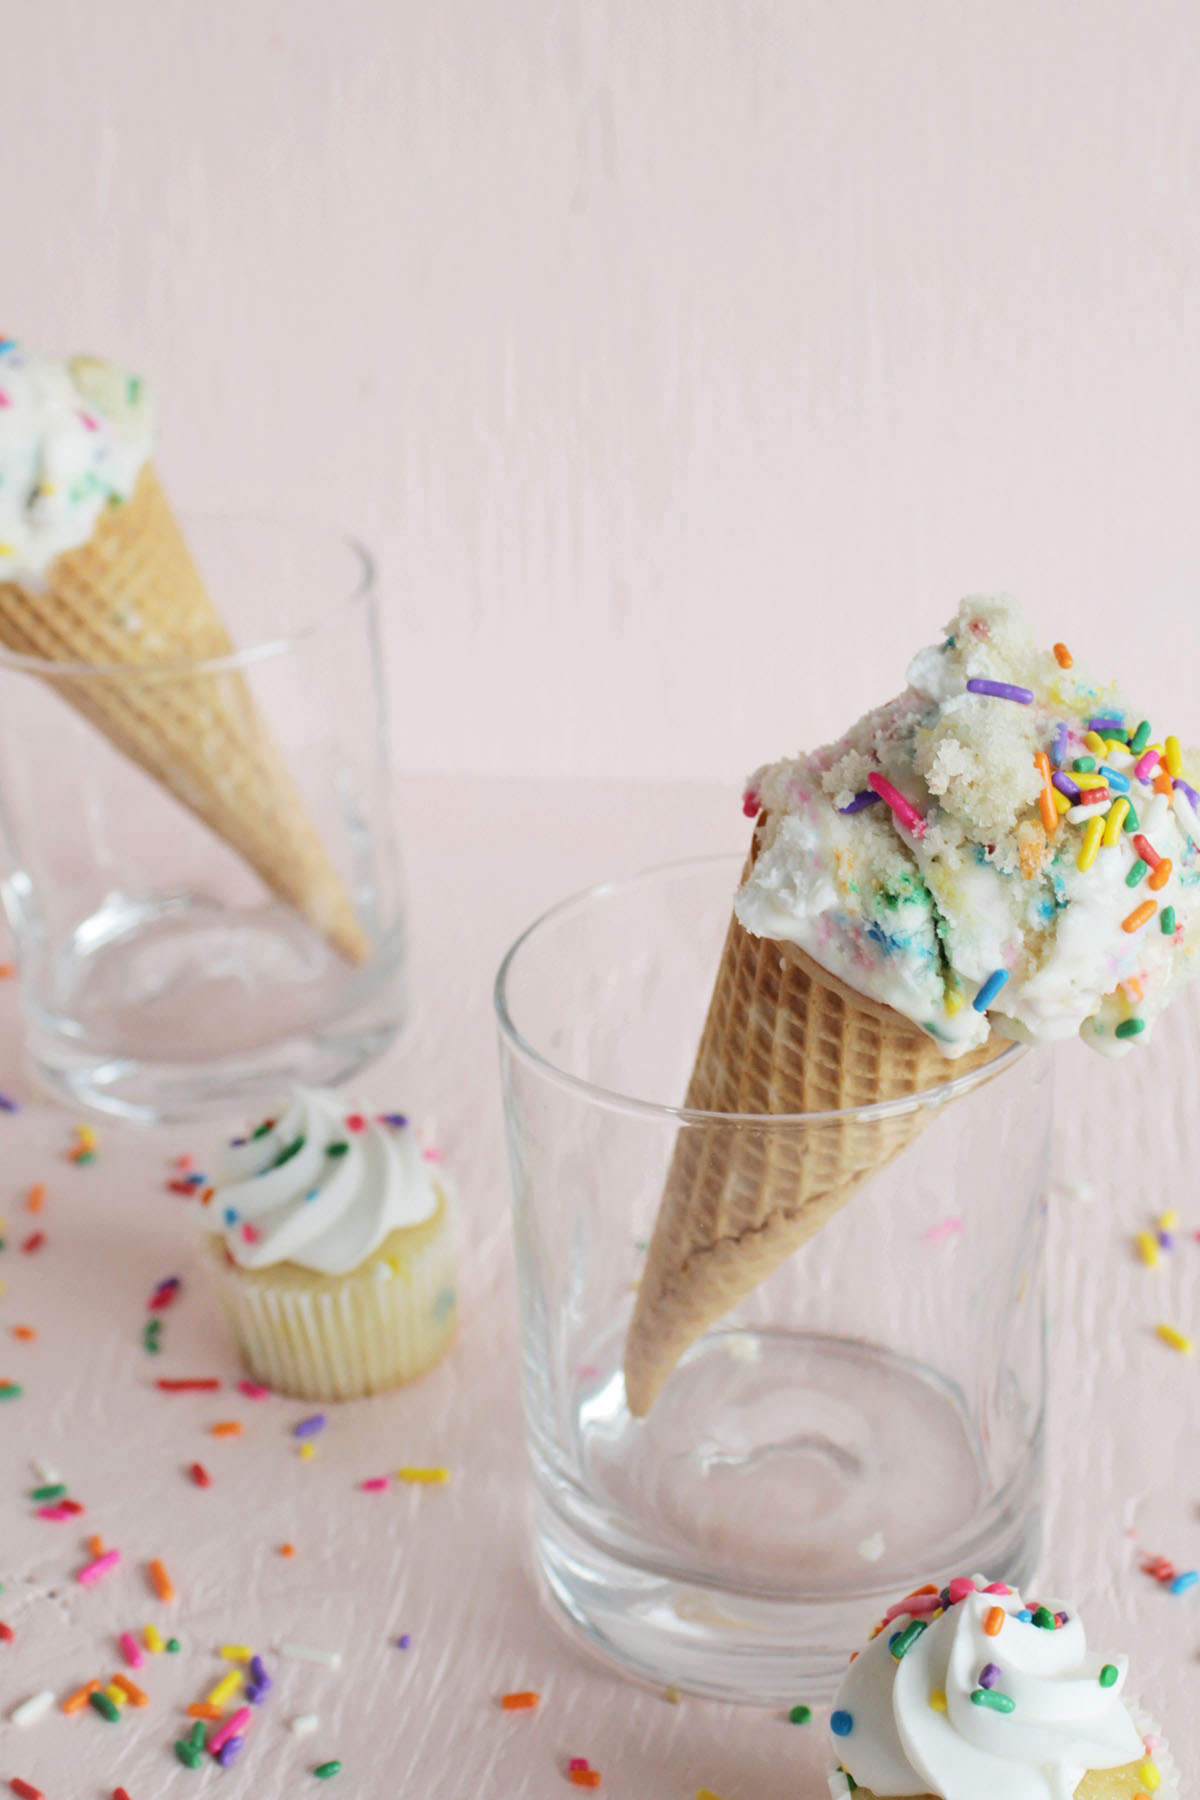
[(869, 1419), (161, 976)]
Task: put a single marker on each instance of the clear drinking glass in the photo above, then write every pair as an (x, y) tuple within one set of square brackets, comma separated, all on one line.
[(869, 1419), (160, 977)]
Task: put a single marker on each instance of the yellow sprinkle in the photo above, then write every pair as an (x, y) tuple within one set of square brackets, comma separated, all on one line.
[(937, 1700), (1149, 1776), (1168, 1221), (1112, 745), (1173, 757), (236, 1652), (1161, 748), (1094, 742), (1093, 832), (85, 1137), (7, 550), (225, 1688), (706, 1794), (152, 1638), (1176, 1339), (1114, 819), (307, 1452), (423, 1475), (1147, 1245), (954, 1001), (1090, 781), (117, 1695), (671, 1696), (1061, 803)]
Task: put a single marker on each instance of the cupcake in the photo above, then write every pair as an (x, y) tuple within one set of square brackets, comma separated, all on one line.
[(974, 1694), (335, 1260)]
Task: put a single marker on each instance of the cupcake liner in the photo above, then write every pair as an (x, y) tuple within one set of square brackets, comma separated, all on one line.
[(321, 1337)]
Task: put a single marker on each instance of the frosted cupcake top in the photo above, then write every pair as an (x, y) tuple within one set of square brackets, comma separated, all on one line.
[(74, 437), (974, 1694), (1005, 842), (321, 1186)]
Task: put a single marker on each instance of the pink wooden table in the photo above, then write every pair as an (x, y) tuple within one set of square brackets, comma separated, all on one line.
[(449, 1565)]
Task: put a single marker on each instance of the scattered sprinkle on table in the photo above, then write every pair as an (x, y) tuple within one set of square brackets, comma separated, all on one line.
[(1176, 1339), (305, 1428), (403, 1642), (304, 1724), (324, 1770), (327, 1659), (800, 1715), (1188, 1579), (11, 1390), (200, 1475), (160, 1581), (425, 1477), (522, 1701), (584, 1778), (102, 1565), (36, 1707), (196, 1384), (25, 1790)]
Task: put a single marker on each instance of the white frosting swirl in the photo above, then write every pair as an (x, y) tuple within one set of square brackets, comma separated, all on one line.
[(322, 1187), (1063, 1721), (74, 436)]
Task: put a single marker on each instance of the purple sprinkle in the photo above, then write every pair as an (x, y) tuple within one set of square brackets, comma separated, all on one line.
[(860, 802), (1065, 785), (1189, 790), (306, 1428), (253, 1692), (1166, 1240), (168, 1281), (236, 1143), (7, 1103), (1061, 1617), (1106, 724), (1062, 738), (258, 1672), (1001, 690), (229, 1750), (399, 1120), (404, 1641), (989, 1675)]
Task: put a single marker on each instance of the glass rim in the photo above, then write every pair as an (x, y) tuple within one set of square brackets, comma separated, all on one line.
[(614, 1100), (362, 588)]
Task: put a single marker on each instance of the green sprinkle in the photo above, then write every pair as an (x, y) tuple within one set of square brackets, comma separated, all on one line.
[(851, 1780), (83, 1156), (324, 1770), (1043, 1618), (904, 1640), (800, 1715), (993, 1698), (288, 1151), (187, 1755), (1140, 738), (3, 1244), (133, 392), (54, 1491), (1084, 765), (1167, 921), (173, 1645), (1108, 1674), (1138, 872), (10, 1390), (336, 1149), (104, 1707), (260, 1131), (1130, 821), (198, 1735), (1129, 1028)]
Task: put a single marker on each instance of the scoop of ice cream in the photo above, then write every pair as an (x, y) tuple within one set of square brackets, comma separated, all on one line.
[(74, 437), (972, 1694), (321, 1186), (1004, 844)]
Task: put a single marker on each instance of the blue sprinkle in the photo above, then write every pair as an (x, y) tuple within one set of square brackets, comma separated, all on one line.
[(1187, 1580), (312, 1193), (989, 990), (231, 1215), (1025, 1616), (444, 1305), (196, 1180), (306, 1428), (1116, 781), (860, 802), (842, 1724)]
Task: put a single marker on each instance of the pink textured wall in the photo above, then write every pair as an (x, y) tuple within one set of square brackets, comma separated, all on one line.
[(684, 360)]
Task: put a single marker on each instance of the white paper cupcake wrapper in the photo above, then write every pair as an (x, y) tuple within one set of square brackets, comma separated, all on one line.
[(374, 1330)]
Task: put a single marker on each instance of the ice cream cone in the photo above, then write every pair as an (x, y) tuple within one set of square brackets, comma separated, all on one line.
[(132, 599), (782, 1036)]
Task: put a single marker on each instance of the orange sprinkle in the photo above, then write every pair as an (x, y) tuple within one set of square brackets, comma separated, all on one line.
[(929, 1588), (1031, 850), (161, 1581), (7, 971), (202, 1710), (521, 1702), (227, 1428), (1063, 657), (207, 1195), (1159, 877), (78, 1700), (26, 1333), (584, 1778), (95, 1544), (993, 1620), (1137, 918), (287, 1549), (35, 1199), (131, 1690), (1133, 989), (1162, 783)]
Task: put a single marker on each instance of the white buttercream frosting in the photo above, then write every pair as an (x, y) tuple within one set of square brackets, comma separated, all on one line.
[(74, 437), (322, 1186), (915, 1729)]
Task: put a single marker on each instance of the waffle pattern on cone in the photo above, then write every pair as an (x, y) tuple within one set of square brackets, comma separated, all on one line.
[(132, 597), (781, 1036)]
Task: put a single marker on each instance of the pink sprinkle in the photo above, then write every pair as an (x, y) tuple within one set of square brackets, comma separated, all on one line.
[(234, 1726), (254, 1390), (960, 1587), (1153, 1744), (914, 1605), (356, 1122), (185, 1162), (997, 1587), (751, 805), (904, 810), (1144, 767), (432, 1155), (130, 1651), (375, 1485), (89, 421), (577, 1764), (94, 1570), (4, 399), (945, 1228), (56, 1512), (250, 1232)]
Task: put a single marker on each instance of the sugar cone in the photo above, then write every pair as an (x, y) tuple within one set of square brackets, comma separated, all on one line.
[(782, 1036), (131, 598)]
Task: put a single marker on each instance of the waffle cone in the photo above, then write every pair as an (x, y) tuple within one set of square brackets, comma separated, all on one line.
[(782, 1036), (132, 598)]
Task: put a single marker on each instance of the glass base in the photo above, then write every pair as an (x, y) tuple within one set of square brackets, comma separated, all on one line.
[(173, 1007), (788, 1487)]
